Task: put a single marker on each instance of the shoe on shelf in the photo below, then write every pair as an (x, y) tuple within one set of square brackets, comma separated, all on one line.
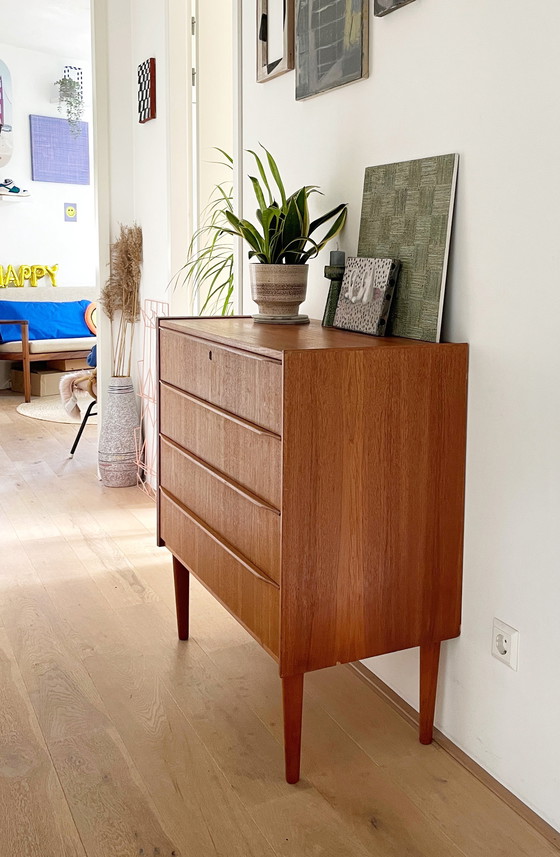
[(7, 187)]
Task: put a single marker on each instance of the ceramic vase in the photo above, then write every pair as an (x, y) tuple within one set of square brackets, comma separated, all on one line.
[(278, 290), (117, 442)]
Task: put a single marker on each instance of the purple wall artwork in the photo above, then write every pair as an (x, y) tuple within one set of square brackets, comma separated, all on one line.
[(57, 155)]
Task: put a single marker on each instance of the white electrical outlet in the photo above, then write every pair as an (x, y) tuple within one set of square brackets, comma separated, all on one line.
[(505, 643)]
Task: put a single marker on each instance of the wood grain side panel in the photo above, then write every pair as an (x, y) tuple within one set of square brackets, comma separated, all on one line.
[(254, 602), (373, 476), (245, 522), (251, 458), (246, 384)]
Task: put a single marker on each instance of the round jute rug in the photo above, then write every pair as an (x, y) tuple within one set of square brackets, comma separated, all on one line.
[(51, 409)]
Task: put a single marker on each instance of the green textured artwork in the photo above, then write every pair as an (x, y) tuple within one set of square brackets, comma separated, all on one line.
[(407, 211)]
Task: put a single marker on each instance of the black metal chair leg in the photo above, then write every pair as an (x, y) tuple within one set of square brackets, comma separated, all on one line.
[(87, 414)]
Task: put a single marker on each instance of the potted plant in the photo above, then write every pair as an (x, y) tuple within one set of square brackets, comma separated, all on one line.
[(70, 97), (281, 243)]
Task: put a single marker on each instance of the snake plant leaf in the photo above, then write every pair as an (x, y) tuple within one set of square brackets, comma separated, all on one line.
[(257, 239), (233, 219), (323, 219), (262, 173), (246, 230), (303, 208), (337, 226), (258, 192), (276, 175), (291, 231), (308, 254)]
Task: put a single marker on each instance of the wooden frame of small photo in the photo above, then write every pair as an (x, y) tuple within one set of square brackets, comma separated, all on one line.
[(268, 66)]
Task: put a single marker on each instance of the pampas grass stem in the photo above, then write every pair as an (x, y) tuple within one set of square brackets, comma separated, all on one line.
[(120, 295)]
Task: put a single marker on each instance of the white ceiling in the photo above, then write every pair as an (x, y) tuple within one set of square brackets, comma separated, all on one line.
[(60, 27)]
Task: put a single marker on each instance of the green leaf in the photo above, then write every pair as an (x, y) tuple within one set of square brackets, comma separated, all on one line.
[(276, 174), (292, 233), (248, 227), (234, 220), (258, 192), (323, 219), (337, 226), (225, 154), (262, 172)]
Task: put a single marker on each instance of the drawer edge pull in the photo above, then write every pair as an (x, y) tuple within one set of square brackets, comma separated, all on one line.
[(221, 542), (252, 355), (225, 480), (221, 412)]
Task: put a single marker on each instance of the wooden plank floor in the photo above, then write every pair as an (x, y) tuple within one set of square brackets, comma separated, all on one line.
[(118, 740)]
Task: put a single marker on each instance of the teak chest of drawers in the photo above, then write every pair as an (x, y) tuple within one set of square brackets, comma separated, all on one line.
[(313, 481)]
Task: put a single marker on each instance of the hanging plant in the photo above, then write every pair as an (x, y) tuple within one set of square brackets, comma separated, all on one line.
[(70, 99)]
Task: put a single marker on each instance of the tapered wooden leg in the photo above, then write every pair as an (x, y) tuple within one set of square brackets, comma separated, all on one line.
[(182, 578), (26, 362), (429, 663), (292, 699)]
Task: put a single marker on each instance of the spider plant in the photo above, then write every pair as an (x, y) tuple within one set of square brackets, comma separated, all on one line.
[(208, 270), (282, 234)]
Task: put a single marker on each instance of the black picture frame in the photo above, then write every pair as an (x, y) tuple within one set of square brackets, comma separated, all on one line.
[(385, 7)]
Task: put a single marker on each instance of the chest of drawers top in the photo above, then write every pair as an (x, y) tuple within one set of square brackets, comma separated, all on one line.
[(274, 341)]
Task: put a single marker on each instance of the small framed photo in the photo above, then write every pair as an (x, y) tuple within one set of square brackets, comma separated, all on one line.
[(383, 7), (275, 38), (147, 90), (366, 294)]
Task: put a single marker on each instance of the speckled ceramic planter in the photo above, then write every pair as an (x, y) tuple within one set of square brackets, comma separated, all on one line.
[(278, 290), (117, 443)]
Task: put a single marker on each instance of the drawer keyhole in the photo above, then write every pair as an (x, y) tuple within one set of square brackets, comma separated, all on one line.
[(209, 355)]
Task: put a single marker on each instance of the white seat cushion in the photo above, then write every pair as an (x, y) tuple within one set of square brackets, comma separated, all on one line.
[(49, 346)]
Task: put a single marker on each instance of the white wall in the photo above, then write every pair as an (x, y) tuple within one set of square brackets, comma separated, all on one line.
[(480, 79), (145, 167), (215, 92), (34, 231)]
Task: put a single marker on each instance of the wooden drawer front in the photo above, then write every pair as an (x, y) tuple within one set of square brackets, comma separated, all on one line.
[(245, 384), (253, 600), (251, 526), (250, 456)]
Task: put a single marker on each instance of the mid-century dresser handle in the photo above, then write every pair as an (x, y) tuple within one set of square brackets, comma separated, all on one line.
[(249, 354), (220, 411), (219, 541), (225, 480)]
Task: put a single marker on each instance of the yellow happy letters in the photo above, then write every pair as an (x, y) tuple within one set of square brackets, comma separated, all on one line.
[(9, 277)]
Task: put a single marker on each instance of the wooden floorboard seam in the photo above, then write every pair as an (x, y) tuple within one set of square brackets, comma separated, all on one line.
[(410, 715)]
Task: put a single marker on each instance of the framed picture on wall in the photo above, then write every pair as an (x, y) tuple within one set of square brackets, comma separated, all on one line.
[(275, 38), (57, 155), (383, 7), (332, 44), (147, 90)]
